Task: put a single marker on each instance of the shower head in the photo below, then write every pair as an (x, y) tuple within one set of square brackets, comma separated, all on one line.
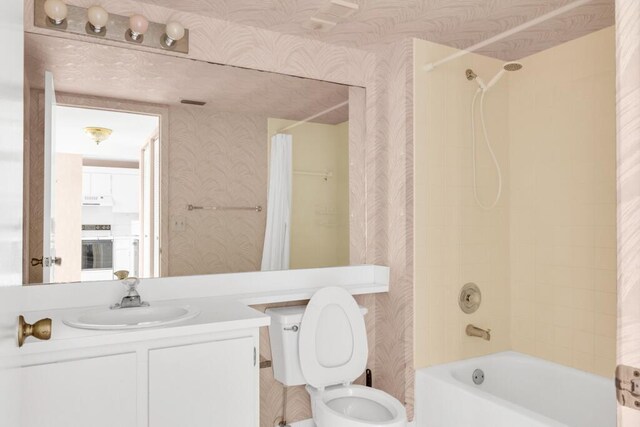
[(507, 66), (512, 66)]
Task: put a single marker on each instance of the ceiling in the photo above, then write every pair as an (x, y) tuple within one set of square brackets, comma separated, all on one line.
[(130, 132), (457, 23), (93, 69)]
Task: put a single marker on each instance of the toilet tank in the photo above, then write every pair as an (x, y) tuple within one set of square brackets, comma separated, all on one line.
[(283, 334)]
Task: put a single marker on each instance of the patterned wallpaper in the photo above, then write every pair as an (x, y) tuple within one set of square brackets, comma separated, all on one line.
[(628, 111), (458, 24), (81, 67), (216, 158), (380, 151)]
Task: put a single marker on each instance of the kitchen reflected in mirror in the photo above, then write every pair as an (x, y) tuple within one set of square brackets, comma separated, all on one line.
[(154, 165)]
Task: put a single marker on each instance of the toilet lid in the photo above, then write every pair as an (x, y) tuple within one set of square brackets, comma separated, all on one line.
[(332, 339)]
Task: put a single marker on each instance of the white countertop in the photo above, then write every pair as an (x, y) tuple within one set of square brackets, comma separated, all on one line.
[(217, 314), (224, 302)]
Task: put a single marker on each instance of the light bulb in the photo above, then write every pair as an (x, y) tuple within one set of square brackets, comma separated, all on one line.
[(56, 10), (138, 25), (174, 32), (98, 18)]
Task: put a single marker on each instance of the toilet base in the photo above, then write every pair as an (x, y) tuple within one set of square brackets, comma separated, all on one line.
[(355, 406)]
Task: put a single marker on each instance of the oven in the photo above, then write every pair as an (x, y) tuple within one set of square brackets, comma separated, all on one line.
[(97, 253)]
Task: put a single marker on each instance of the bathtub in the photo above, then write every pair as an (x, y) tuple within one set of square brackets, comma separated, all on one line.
[(518, 391)]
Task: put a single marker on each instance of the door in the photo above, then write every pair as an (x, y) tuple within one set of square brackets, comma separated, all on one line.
[(11, 146), (146, 212), (204, 385), (48, 214), (628, 112)]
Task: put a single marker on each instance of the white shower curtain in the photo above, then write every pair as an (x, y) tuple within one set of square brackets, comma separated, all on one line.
[(275, 255)]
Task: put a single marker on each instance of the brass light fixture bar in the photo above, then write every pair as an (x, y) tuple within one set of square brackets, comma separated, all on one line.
[(118, 28)]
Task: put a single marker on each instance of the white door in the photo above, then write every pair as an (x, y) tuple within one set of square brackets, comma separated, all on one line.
[(147, 212), (11, 146), (49, 225)]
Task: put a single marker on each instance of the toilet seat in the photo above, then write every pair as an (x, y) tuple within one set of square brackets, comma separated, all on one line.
[(333, 352), (332, 341), (356, 406)]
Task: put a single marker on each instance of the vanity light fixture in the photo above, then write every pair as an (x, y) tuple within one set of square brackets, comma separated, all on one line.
[(96, 21), (56, 11), (174, 31), (98, 134), (98, 18), (138, 25)]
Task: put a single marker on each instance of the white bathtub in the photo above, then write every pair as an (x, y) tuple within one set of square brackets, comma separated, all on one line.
[(518, 391)]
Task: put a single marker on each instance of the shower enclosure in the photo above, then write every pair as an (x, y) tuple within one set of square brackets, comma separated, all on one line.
[(516, 192)]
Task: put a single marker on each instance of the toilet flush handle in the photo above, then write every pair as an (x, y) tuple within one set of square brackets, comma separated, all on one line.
[(294, 328)]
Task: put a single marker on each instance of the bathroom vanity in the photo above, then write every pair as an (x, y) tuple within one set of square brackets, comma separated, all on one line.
[(203, 371), (200, 371)]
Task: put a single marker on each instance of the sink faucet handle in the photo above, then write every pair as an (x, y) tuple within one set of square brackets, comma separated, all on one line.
[(132, 284)]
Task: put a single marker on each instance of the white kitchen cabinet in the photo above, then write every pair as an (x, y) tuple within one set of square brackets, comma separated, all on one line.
[(96, 392), (203, 385), (86, 184), (126, 192), (100, 184), (122, 184)]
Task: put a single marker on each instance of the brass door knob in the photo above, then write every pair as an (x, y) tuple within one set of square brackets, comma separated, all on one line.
[(41, 330)]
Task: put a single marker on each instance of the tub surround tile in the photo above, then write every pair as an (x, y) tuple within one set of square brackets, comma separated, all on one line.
[(572, 190)]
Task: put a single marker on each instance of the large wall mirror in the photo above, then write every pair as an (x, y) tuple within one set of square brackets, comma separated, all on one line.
[(149, 165)]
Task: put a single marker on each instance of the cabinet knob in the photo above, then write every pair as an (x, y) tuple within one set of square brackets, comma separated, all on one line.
[(40, 330)]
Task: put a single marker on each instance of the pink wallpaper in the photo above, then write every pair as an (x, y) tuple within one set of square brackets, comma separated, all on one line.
[(628, 110), (459, 24), (380, 164), (216, 158), (82, 67)]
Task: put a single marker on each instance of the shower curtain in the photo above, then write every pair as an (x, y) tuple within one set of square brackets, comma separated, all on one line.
[(275, 255)]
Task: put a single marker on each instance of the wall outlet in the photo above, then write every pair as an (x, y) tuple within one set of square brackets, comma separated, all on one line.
[(178, 223)]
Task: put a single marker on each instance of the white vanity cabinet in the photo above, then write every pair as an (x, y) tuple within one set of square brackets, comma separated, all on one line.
[(199, 380), (203, 385), (97, 392)]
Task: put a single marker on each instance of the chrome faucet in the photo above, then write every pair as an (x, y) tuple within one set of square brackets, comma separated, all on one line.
[(474, 331), (132, 298)]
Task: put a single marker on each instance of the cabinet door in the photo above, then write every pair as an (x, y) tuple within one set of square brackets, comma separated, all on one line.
[(126, 193), (123, 255), (96, 392), (100, 184), (204, 385), (86, 184)]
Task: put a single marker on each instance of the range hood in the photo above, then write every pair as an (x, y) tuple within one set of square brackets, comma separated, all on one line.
[(97, 201)]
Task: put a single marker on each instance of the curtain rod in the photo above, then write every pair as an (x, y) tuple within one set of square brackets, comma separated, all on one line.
[(505, 34), (308, 119)]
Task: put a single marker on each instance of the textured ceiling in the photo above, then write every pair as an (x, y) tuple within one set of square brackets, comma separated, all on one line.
[(105, 71), (457, 23)]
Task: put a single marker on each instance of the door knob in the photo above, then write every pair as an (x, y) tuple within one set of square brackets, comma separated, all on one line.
[(40, 330), (46, 261)]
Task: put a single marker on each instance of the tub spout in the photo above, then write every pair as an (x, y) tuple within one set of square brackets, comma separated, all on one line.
[(474, 331)]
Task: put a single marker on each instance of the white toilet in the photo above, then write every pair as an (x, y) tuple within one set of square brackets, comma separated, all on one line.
[(324, 345)]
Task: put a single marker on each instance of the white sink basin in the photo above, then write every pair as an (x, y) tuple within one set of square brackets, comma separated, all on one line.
[(131, 318)]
